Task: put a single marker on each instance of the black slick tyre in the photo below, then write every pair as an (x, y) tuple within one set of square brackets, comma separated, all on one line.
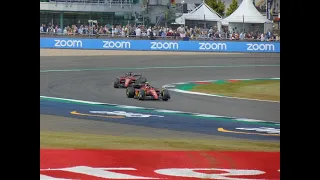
[(165, 95), (130, 92), (116, 83)]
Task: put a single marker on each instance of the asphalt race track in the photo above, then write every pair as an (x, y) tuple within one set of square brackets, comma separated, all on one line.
[(91, 79)]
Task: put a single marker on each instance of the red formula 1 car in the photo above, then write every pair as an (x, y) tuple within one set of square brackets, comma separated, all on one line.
[(128, 80), (145, 91)]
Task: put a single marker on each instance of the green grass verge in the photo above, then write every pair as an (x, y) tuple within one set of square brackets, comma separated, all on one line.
[(252, 89), (92, 141)]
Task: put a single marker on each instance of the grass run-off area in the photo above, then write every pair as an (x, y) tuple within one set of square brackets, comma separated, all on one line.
[(69, 140), (252, 89)]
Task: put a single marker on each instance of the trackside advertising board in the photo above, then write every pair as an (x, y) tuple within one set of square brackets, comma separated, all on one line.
[(160, 45), (170, 165)]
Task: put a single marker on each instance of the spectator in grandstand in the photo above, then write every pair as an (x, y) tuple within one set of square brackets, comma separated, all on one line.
[(138, 32), (43, 28), (157, 31), (182, 31), (241, 36), (210, 32), (150, 31), (262, 37)]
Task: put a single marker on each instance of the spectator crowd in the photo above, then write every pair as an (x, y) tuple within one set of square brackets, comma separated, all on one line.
[(141, 31)]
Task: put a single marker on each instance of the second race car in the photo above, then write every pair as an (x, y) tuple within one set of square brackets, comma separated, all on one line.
[(147, 92), (128, 79)]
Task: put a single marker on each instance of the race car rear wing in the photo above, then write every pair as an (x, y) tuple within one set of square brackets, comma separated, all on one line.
[(140, 74)]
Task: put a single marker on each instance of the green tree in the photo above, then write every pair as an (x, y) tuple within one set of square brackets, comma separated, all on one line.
[(217, 5), (233, 6)]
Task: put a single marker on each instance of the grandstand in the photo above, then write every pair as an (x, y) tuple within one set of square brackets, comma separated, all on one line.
[(148, 12)]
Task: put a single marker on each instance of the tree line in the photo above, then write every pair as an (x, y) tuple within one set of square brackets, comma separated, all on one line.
[(219, 6)]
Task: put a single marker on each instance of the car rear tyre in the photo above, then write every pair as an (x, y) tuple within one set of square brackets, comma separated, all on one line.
[(130, 92), (116, 83), (165, 95), (141, 95)]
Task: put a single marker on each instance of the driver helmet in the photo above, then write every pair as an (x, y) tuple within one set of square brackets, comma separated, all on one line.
[(147, 84)]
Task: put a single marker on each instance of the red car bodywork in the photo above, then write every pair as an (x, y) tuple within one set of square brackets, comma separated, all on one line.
[(127, 80), (150, 91)]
